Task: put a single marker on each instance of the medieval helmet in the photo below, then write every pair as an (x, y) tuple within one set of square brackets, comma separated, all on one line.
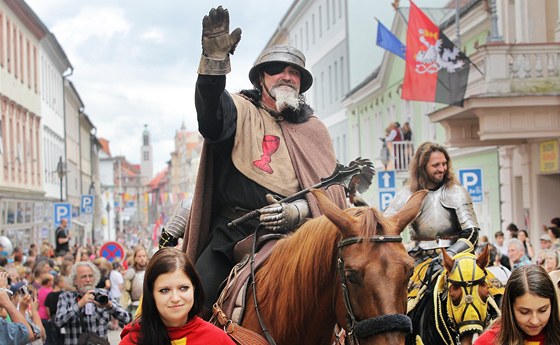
[(286, 54)]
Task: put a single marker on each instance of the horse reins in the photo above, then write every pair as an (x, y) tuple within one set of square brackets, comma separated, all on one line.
[(356, 329), (374, 325), (267, 334)]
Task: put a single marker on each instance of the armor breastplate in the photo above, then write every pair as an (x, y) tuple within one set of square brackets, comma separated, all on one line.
[(435, 220)]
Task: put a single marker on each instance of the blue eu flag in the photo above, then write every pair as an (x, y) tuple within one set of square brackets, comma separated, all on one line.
[(388, 41)]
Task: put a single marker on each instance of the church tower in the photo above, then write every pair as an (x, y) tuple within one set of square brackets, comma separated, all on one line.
[(146, 157)]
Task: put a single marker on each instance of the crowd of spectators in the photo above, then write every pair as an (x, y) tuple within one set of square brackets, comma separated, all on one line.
[(56, 296)]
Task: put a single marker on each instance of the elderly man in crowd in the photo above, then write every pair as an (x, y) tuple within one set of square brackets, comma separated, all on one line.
[(87, 309), (516, 253)]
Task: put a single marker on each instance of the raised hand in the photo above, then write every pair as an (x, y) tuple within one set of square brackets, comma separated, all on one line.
[(217, 42)]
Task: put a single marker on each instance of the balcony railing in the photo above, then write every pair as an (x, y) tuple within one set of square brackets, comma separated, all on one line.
[(400, 155), (515, 68)]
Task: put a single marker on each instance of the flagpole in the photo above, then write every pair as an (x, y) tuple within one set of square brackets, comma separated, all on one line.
[(397, 8), (457, 24)]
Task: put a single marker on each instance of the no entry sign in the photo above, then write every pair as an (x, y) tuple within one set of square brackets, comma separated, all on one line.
[(112, 251)]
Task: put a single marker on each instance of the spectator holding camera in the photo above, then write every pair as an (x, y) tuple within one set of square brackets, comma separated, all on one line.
[(18, 331), (87, 309)]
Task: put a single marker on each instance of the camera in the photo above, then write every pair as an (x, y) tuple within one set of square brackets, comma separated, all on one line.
[(100, 297)]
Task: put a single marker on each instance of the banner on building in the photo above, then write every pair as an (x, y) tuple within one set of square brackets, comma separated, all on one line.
[(436, 70)]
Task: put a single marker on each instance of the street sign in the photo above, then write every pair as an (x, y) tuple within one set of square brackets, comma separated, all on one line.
[(471, 179), (385, 198), (112, 251), (386, 179), (62, 210), (86, 206)]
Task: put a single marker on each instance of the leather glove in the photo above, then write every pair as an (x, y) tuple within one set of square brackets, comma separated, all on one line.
[(217, 43), (283, 217)]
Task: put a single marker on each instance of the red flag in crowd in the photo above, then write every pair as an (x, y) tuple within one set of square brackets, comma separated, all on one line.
[(436, 70)]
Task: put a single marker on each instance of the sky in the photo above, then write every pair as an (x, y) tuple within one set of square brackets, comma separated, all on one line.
[(135, 61)]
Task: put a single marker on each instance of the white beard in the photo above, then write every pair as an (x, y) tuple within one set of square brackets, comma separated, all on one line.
[(286, 97), (85, 289)]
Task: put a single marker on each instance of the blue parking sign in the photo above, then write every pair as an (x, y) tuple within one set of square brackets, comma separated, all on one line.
[(62, 210), (86, 206), (385, 198), (471, 179)]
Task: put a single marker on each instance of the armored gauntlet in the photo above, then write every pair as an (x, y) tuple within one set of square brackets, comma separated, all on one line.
[(283, 217), (176, 226), (217, 43)]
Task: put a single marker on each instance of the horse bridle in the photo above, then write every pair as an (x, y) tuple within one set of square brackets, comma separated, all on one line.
[(468, 287), (374, 325)]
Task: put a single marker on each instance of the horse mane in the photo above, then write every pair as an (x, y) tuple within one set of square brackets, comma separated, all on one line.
[(304, 264)]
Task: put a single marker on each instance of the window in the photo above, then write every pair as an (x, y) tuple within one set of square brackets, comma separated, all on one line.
[(1, 137), (336, 80), (9, 44), (306, 35), (320, 22), (28, 64), (35, 68), (14, 41), (343, 156), (342, 78), (313, 28), (21, 57), (322, 90), (330, 85), (11, 212), (2, 62), (328, 15)]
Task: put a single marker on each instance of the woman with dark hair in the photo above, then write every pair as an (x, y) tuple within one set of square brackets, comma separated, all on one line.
[(513, 230), (172, 300), (529, 311)]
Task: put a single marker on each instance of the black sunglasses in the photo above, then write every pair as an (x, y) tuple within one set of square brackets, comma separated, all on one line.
[(274, 68)]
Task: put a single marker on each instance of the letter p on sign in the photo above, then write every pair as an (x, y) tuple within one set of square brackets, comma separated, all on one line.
[(471, 179)]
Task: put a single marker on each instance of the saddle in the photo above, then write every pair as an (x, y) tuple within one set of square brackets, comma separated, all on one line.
[(228, 310)]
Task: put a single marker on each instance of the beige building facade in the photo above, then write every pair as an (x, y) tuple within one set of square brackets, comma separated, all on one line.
[(515, 105)]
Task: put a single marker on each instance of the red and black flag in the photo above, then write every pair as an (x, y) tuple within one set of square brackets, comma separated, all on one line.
[(436, 70)]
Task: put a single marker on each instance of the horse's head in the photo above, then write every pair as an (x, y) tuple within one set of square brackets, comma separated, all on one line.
[(374, 269), (468, 292)]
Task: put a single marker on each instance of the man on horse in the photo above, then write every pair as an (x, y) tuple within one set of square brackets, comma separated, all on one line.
[(260, 144), (447, 219)]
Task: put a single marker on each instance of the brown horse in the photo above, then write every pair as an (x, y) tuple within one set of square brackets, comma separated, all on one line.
[(347, 267)]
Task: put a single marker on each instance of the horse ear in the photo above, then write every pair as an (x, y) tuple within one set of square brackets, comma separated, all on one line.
[(341, 219), (410, 210), (482, 259), (448, 262)]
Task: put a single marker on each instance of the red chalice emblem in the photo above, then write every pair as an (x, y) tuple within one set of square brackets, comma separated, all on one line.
[(270, 145)]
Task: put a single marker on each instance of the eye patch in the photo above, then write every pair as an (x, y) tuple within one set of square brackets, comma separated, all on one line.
[(274, 68)]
